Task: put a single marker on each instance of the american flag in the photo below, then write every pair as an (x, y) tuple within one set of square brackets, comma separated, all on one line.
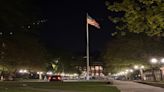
[(92, 22)]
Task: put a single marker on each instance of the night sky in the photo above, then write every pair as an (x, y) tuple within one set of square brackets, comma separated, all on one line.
[(66, 25)]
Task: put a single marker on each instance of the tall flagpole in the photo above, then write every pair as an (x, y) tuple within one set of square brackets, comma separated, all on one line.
[(87, 49)]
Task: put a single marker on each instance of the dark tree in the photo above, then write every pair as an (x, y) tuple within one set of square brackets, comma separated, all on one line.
[(127, 51), (138, 16)]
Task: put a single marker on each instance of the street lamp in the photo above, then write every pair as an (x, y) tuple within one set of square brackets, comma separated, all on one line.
[(156, 61), (140, 68), (153, 60), (136, 67), (131, 70), (40, 75), (162, 60), (23, 71)]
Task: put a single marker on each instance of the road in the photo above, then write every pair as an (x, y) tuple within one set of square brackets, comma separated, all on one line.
[(129, 86)]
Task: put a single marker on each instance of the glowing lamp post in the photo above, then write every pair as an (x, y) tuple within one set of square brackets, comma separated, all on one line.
[(23, 71), (153, 61), (131, 70), (156, 62), (136, 67), (40, 75), (140, 68)]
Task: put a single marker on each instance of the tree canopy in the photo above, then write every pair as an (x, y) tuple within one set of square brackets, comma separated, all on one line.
[(23, 51), (127, 51), (19, 29), (138, 16)]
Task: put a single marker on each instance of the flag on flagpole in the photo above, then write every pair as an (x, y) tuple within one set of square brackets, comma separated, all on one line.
[(92, 22)]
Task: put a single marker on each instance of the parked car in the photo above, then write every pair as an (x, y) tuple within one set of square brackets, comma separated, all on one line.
[(55, 78)]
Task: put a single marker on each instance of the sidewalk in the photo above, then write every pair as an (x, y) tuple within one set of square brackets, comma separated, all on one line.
[(130, 86), (157, 84)]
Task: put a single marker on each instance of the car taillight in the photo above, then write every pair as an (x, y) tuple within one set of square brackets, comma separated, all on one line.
[(49, 78)]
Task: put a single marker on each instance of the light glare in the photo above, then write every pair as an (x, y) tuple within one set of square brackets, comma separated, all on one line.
[(154, 61), (162, 60)]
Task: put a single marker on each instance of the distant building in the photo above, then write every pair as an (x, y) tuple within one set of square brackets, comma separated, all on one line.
[(96, 66), (159, 74), (96, 69)]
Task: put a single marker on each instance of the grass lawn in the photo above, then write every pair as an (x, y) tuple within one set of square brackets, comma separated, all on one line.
[(67, 86), (14, 87)]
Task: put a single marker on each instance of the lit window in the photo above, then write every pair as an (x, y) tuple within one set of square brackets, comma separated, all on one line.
[(101, 68), (92, 68), (96, 67), (97, 74)]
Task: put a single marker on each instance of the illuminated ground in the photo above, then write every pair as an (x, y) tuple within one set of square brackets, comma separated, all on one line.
[(128, 86)]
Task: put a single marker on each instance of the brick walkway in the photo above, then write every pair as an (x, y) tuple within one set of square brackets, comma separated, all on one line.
[(128, 86)]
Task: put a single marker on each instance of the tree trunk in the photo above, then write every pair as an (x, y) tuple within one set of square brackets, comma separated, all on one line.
[(153, 74), (161, 76)]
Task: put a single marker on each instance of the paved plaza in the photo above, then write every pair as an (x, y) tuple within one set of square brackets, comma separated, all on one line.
[(129, 86)]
